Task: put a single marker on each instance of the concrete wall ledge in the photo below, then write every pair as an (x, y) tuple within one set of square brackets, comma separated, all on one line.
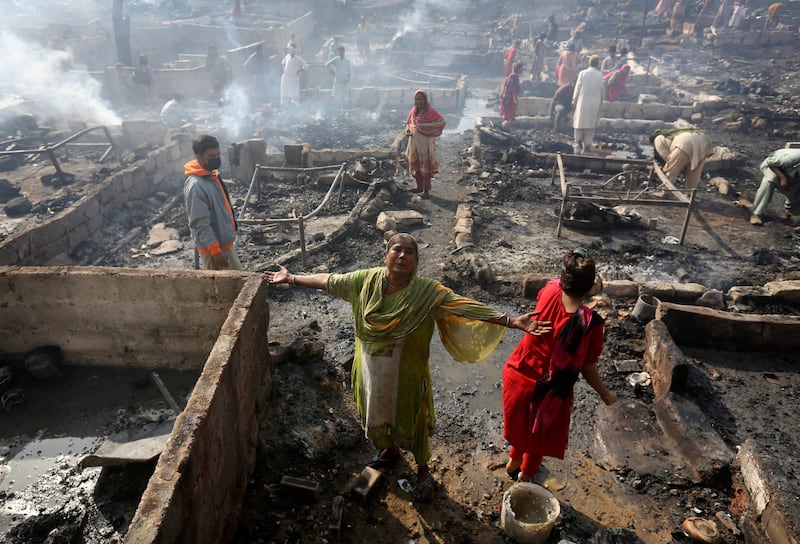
[(716, 329), (216, 322), (63, 232), (770, 491), (536, 105), (771, 494)]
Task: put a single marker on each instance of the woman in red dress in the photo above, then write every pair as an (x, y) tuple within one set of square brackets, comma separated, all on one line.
[(508, 96), (541, 371)]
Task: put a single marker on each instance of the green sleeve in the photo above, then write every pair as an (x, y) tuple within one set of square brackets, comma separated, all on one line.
[(346, 286)]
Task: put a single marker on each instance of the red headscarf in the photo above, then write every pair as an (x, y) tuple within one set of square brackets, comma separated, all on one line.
[(428, 121)]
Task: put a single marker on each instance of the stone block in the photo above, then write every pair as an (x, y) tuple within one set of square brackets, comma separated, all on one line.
[(769, 489), (401, 219), (386, 222), (464, 224), (712, 298), (300, 488), (749, 294), (784, 291), (668, 366), (464, 240), (463, 210), (621, 288), (688, 292), (694, 437), (363, 485), (627, 436), (662, 290), (532, 284), (175, 153)]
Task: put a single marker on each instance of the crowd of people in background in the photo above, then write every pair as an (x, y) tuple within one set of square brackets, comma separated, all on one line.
[(583, 81)]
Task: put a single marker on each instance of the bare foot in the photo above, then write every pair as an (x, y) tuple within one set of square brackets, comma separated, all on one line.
[(512, 468)]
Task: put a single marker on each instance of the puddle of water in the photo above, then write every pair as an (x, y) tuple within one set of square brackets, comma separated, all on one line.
[(68, 416), (624, 154), (38, 456), (475, 105), (478, 383)]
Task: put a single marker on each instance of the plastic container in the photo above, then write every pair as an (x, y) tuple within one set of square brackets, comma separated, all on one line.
[(645, 309), (529, 513)]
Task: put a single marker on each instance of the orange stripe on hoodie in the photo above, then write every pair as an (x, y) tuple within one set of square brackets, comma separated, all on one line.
[(193, 168)]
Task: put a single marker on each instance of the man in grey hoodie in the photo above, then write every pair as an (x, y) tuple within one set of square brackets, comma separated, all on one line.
[(208, 207)]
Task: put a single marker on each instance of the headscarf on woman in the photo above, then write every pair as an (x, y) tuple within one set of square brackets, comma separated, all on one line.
[(423, 125), (428, 121), (615, 81), (508, 96)]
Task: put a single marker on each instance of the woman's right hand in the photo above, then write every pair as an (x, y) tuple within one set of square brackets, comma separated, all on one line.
[(281, 276)]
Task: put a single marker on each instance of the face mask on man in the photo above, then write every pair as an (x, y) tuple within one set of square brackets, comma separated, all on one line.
[(213, 163)]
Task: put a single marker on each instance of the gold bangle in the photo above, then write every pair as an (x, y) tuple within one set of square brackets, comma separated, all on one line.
[(508, 320)]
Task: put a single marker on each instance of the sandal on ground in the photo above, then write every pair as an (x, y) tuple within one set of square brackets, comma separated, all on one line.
[(425, 489), (385, 457)]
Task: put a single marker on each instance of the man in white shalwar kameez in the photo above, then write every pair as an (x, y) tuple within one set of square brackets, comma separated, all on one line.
[(290, 80), (586, 100)]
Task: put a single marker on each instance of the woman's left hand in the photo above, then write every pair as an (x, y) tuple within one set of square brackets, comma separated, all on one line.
[(527, 323)]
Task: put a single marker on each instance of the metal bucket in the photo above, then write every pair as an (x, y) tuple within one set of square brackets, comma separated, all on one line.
[(529, 513), (645, 309)]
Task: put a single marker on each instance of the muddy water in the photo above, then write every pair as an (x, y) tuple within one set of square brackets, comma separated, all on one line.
[(479, 383), (67, 417), (475, 105)]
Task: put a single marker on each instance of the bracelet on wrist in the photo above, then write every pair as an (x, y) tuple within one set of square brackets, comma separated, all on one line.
[(508, 320), (291, 279)]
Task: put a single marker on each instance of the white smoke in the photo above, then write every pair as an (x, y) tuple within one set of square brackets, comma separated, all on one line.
[(236, 112), (414, 18), (45, 78), (410, 20)]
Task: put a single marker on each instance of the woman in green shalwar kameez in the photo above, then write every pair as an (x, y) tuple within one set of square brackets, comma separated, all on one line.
[(394, 312)]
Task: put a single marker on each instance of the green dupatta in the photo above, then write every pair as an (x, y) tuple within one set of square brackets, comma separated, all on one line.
[(458, 318)]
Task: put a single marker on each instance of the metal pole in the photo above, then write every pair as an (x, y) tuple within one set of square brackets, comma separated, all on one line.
[(340, 178), (686, 219), (164, 391), (301, 225)]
